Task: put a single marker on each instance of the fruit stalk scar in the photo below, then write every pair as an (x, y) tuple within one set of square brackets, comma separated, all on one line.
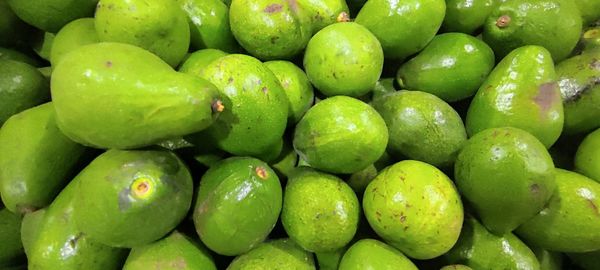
[(141, 187), (503, 21), (343, 17), (261, 172), (217, 105)]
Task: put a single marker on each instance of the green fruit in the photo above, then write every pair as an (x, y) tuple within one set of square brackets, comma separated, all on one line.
[(114, 95), (403, 28), (159, 26), (570, 222), (589, 9), (132, 198), (591, 38), (383, 87), (466, 16), (320, 211), (422, 127), (520, 92), (324, 12), (176, 252), (238, 203), (209, 24), (72, 36), (51, 15), (480, 249), (10, 54), (274, 254), (549, 260), (42, 45), (587, 157), (456, 267), (396, 201), (13, 31), (587, 260), (22, 86), (373, 254), (30, 229), (340, 135), (11, 248), (330, 260), (554, 24), (36, 159), (343, 59), (277, 29), (451, 67), (197, 61), (298, 89), (286, 162), (507, 175)]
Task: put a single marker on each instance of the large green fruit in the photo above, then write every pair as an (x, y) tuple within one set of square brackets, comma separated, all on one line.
[(209, 24), (51, 15), (196, 62), (298, 89), (72, 36), (275, 254), (22, 86), (324, 12), (587, 157), (373, 254), (11, 248), (467, 16)]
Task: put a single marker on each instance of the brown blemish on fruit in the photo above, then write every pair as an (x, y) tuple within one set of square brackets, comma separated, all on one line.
[(591, 33), (546, 96), (217, 106), (261, 172), (343, 17), (230, 80), (594, 207), (535, 188), (503, 21), (141, 188), (265, 90), (272, 8), (595, 64), (402, 178), (108, 64)]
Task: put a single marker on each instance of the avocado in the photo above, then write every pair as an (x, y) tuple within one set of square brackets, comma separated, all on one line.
[(11, 248), (30, 229), (467, 16), (159, 26), (383, 87), (554, 24), (330, 260), (22, 86), (591, 38), (51, 15), (298, 89), (343, 59), (586, 260), (520, 92), (324, 12), (73, 35), (589, 9), (549, 260), (587, 157), (320, 211), (456, 267), (340, 135), (507, 175), (373, 254), (115, 95), (452, 67), (11, 54), (13, 30), (36, 159), (274, 254), (196, 62), (570, 222), (209, 25), (132, 198), (238, 204)]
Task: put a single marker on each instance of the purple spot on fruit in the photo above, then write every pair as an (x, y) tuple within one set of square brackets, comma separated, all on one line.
[(546, 96), (272, 8)]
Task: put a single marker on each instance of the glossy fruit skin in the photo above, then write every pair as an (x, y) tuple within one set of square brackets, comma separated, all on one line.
[(52, 15), (343, 59), (480, 249), (320, 211), (520, 92), (132, 198), (421, 127), (403, 28), (36, 159), (274, 254), (466, 16), (452, 67), (245, 186), (587, 157), (11, 54), (396, 201), (30, 229), (297, 88), (73, 35), (22, 86), (11, 248), (374, 254), (507, 175), (209, 24), (323, 12), (197, 61), (101, 102), (159, 26), (340, 135), (571, 221), (589, 9), (554, 24)]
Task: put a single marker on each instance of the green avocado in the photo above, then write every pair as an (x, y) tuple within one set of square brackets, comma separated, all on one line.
[(330, 260), (589, 9), (274, 254), (570, 222), (51, 15), (238, 204), (174, 252), (159, 26), (197, 61), (343, 59), (480, 249), (507, 175), (422, 127), (298, 89), (554, 24), (320, 211), (277, 29), (132, 198), (11, 54), (373, 254), (359, 181), (586, 260), (286, 162), (31, 228), (402, 27), (549, 260), (11, 248), (452, 67), (209, 24), (456, 267), (587, 157), (73, 35), (36, 159), (340, 135), (467, 16), (22, 86), (591, 38), (414, 207), (520, 92), (383, 87), (324, 12), (13, 31), (115, 95)]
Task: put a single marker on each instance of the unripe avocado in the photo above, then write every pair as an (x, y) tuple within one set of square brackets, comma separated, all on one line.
[(297, 88), (197, 61), (324, 12), (73, 35), (51, 15), (467, 16), (373, 254), (209, 24), (589, 9), (274, 254), (22, 86), (31, 228), (11, 248), (587, 158)]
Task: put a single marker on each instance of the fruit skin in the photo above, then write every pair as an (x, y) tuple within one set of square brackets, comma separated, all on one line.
[(175, 251), (36, 159), (466, 16), (100, 101), (403, 28), (22, 86), (197, 61), (11, 54), (245, 186), (422, 127), (587, 156), (320, 211), (452, 67), (330, 260), (383, 87), (209, 24), (11, 248), (274, 254), (298, 89), (277, 29), (340, 135), (373, 254), (51, 15), (456, 267), (571, 221), (343, 59), (132, 198), (159, 26), (587, 260), (73, 35), (554, 24), (30, 229), (591, 38), (323, 12), (480, 249), (507, 175), (520, 92), (589, 9)]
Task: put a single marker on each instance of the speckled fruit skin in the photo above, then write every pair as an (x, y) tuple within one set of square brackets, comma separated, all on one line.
[(587, 158), (340, 135), (297, 88), (343, 59), (507, 175), (274, 254), (323, 12), (414, 207), (209, 24), (373, 254), (197, 61), (320, 211), (466, 16), (73, 35)]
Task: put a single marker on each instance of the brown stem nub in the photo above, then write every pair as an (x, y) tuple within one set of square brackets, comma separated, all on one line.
[(141, 188), (217, 105), (343, 17), (503, 21), (261, 172)]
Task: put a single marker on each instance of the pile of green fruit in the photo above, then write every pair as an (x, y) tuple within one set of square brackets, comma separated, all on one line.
[(300, 134)]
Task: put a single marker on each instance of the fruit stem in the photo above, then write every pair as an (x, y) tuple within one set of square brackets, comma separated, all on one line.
[(343, 17), (503, 21), (217, 105)]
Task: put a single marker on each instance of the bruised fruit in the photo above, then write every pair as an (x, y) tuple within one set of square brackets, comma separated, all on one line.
[(373, 254), (298, 89), (275, 254)]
